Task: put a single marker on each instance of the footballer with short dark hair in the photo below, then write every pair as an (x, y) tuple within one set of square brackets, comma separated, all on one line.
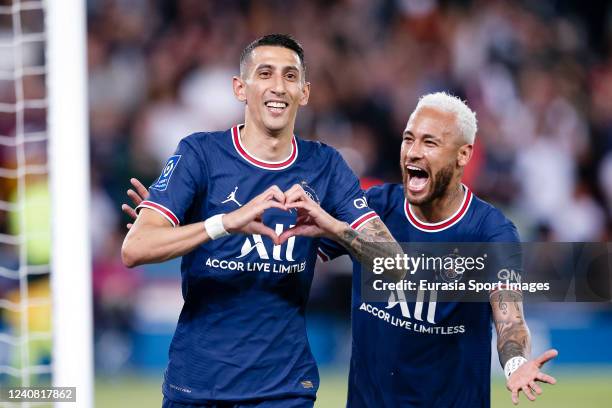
[(245, 209)]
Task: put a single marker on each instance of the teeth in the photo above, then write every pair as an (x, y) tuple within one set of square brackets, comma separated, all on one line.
[(414, 168), (276, 104)]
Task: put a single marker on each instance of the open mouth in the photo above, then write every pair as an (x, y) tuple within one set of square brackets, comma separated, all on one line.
[(418, 178), (276, 107)]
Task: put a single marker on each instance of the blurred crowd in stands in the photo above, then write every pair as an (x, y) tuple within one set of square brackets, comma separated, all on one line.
[(538, 75)]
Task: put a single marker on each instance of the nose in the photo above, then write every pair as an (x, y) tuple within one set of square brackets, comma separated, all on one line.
[(278, 86), (414, 151)]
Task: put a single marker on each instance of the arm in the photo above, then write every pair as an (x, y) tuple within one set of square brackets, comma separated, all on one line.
[(513, 338), (371, 241), (152, 239), (514, 346)]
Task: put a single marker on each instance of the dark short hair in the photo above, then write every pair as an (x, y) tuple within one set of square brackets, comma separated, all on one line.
[(275, 40)]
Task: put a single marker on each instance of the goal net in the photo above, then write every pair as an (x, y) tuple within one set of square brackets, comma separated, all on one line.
[(45, 300)]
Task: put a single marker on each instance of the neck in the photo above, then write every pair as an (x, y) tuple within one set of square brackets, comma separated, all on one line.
[(442, 207), (264, 144)]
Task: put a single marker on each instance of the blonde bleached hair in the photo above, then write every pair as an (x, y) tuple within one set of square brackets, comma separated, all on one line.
[(464, 116)]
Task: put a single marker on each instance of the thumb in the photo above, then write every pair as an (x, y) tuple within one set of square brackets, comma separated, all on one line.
[(546, 356), (262, 229), (287, 234)]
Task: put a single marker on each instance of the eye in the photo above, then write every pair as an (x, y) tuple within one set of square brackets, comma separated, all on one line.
[(430, 143), (264, 74), (291, 76)]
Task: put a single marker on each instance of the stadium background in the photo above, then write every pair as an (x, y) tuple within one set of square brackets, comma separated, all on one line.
[(538, 74)]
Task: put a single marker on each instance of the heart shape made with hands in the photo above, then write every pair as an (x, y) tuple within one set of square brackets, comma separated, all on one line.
[(311, 221)]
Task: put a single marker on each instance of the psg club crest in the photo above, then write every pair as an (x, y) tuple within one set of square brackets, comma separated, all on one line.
[(310, 192), (448, 273)]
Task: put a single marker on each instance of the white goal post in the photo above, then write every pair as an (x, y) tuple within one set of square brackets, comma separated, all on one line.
[(69, 175)]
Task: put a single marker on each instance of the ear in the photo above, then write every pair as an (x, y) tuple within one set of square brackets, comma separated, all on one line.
[(239, 88), (305, 94), (464, 154)]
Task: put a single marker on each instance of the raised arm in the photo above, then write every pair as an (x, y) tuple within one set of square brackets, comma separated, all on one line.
[(371, 241), (514, 347)]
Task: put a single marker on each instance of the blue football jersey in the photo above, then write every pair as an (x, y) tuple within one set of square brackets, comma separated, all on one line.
[(241, 334), (423, 353)]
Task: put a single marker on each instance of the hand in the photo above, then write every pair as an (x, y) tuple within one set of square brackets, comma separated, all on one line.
[(312, 220), (525, 377), (247, 219), (137, 197)]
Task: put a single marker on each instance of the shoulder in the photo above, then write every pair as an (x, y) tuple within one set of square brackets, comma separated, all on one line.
[(315, 148), (381, 198), (203, 139), (203, 144), (494, 225)]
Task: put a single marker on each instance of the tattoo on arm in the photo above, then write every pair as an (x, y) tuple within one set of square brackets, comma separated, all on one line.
[(373, 241), (513, 337)]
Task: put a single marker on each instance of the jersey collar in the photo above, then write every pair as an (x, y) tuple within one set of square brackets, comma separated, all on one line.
[(263, 164), (442, 225)]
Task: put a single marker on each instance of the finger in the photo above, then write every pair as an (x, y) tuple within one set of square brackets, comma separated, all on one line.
[(129, 211), (291, 232), (515, 397), (272, 193), (535, 387), (296, 193), (528, 393), (262, 229), (300, 205), (129, 226), (298, 230), (546, 378), (136, 199), (140, 188), (293, 189), (546, 356)]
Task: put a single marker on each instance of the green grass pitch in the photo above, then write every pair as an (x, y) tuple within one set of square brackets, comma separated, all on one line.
[(575, 388)]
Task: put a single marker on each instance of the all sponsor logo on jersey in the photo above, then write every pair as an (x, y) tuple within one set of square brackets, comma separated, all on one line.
[(255, 244), (421, 320)]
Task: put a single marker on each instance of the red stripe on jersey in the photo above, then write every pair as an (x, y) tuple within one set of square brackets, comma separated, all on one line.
[(161, 209), (359, 222), (443, 224)]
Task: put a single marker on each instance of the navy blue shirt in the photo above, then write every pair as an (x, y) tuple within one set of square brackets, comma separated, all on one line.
[(241, 334), (427, 353)]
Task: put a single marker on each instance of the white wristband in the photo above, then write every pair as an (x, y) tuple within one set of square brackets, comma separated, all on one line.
[(214, 227), (512, 365)]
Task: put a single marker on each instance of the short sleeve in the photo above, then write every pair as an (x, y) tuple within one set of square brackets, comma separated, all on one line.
[(181, 179), (346, 201), (504, 249)]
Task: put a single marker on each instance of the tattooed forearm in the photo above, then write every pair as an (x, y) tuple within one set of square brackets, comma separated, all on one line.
[(513, 337), (373, 241)]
